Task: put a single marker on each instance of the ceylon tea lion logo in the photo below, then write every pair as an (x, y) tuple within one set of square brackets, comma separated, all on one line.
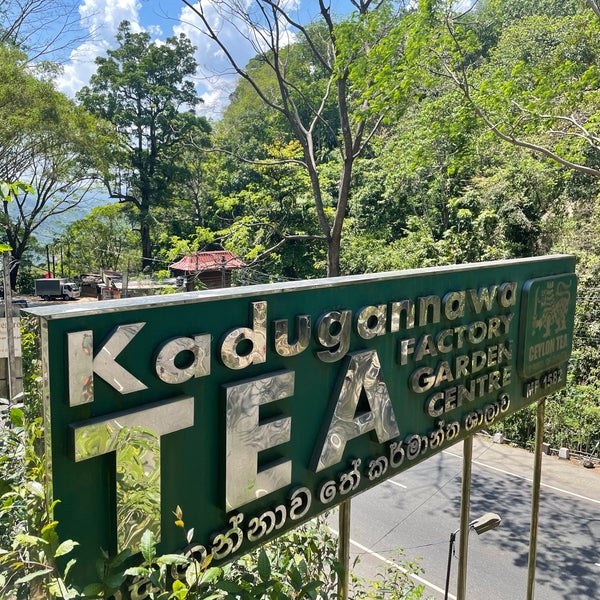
[(551, 304), (548, 309)]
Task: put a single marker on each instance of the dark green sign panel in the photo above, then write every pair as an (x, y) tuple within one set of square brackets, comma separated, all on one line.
[(254, 409), (549, 309)]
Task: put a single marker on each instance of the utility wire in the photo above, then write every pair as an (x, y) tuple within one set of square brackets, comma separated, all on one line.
[(412, 512)]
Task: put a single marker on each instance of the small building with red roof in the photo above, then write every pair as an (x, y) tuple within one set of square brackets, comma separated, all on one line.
[(212, 268)]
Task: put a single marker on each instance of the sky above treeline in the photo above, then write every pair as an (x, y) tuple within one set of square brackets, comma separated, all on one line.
[(94, 24)]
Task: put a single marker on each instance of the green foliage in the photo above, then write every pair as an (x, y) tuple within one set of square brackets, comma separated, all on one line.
[(103, 239), (573, 414), (573, 417), (29, 544), (270, 220), (47, 143), (143, 88), (393, 581), (7, 192), (302, 564)]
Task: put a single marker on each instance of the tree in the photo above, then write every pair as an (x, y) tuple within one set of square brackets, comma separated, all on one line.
[(40, 28), (46, 142), (537, 86), (325, 86), (103, 239), (144, 90)]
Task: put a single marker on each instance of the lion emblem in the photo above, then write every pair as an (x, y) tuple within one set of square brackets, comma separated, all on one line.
[(550, 308)]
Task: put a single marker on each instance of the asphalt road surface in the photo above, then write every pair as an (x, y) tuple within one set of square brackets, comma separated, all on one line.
[(418, 510)]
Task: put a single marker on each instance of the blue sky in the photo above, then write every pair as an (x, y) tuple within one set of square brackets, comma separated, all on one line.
[(96, 22), (99, 19)]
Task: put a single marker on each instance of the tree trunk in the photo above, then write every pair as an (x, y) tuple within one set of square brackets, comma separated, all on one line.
[(13, 275), (145, 231), (146, 243), (16, 253), (334, 243)]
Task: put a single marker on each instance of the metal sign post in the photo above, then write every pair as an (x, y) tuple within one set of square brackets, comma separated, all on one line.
[(535, 498), (344, 549), (10, 340), (465, 503)]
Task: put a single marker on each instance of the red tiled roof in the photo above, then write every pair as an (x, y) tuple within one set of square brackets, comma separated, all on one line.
[(208, 261)]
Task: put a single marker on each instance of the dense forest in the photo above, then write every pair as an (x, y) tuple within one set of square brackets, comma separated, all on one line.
[(391, 137), (399, 135)]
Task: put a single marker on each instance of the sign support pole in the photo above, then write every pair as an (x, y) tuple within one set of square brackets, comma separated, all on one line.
[(465, 502), (10, 340), (535, 500), (344, 549)]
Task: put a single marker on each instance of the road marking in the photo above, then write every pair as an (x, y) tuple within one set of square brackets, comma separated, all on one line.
[(397, 566), (546, 485), (597, 564), (396, 483)]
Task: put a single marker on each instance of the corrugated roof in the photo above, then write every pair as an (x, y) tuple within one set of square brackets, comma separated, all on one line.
[(208, 261)]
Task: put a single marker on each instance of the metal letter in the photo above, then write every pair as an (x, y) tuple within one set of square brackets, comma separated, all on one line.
[(82, 366), (371, 321), (255, 336), (80, 353), (282, 344), (338, 339), (454, 305), (363, 372), (406, 306), (508, 294), (198, 346), (425, 303), (135, 437), (246, 436), (483, 299)]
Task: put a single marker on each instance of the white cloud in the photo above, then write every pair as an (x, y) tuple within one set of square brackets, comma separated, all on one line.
[(215, 72), (105, 15), (215, 78), (215, 75), (100, 19)]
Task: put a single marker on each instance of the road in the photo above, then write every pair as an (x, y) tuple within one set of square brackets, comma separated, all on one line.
[(418, 510)]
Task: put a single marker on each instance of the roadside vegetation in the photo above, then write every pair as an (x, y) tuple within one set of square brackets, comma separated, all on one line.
[(401, 135)]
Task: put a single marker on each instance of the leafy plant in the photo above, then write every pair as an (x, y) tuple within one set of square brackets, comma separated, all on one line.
[(29, 544), (392, 582)]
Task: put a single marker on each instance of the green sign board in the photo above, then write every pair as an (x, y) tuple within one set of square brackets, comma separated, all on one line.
[(254, 409)]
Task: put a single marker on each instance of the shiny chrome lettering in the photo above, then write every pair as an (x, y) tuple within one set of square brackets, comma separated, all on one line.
[(252, 340), (80, 353), (282, 345), (362, 373), (197, 346), (83, 365), (246, 436), (371, 321), (135, 437), (333, 332), (454, 305), (426, 303), (406, 307)]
